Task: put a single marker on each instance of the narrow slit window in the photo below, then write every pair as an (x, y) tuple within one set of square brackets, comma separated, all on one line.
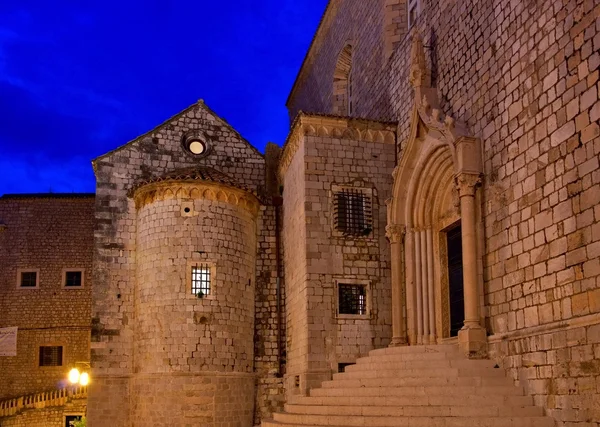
[(414, 8), (352, 299), (201, 278)]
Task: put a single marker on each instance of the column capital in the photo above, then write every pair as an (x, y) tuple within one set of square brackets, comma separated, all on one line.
[(394, 232), (466, 183)]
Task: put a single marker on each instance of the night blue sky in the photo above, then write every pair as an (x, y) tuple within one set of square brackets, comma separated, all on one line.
[(78, 78)]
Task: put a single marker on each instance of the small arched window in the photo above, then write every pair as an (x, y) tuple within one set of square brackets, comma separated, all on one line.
[(342, 83)]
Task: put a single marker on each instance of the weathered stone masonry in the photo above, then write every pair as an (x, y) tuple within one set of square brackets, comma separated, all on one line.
[(523, 77)]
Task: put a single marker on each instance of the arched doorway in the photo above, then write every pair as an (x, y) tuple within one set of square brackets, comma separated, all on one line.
[(432, 215)]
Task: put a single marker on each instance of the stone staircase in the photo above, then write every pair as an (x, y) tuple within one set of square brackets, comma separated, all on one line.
[(415, 386)]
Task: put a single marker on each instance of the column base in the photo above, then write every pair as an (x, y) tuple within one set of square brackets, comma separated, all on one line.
[(398, 342), (472, 341)]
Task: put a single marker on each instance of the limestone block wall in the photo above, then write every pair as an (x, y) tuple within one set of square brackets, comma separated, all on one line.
[(344, 160), (47, 233), (322, 153), (294, 247), (523, 76), (269, 330), (153, 154)]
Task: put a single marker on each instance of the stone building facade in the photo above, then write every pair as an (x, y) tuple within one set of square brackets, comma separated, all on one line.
[(48, 239), (440, 184)]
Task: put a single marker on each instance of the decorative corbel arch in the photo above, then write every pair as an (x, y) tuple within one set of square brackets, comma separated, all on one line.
[(440, 163)]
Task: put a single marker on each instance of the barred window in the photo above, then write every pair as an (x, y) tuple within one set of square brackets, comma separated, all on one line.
[(352, 211), (201, 280), (352, 299), (51, 356)]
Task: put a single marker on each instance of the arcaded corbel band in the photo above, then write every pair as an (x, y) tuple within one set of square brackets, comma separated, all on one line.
[(467, 183), (394, 232)]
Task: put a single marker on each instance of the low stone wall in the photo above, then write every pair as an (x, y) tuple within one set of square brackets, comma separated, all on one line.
[(559, 365), (213, 399)]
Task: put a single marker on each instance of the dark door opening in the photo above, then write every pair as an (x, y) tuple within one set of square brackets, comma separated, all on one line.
[(455, 280)]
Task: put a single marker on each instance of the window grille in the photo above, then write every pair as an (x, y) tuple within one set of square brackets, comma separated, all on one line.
[(352, 299), (51, 356), (201, 280), (352, 211), (28, 279), (73, 278)]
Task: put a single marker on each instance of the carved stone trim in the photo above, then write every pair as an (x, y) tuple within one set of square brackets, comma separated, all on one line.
[(196, 190), (334, 127), (419, 74), (467, 183)]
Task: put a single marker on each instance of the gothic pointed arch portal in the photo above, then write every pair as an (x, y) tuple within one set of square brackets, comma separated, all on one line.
[(435, 190)]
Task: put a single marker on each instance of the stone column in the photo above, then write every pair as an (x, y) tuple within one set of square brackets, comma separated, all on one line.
[(395, 233), (411, 292), (472, 338)]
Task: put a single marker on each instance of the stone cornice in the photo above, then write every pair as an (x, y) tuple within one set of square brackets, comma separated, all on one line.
[(334, 127), (203, 190)]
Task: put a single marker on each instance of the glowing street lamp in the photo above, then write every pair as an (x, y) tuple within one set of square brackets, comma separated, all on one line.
[(76, 376), (84, 379)]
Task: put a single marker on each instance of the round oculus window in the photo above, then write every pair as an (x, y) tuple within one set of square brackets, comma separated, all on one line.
[(195, 146)]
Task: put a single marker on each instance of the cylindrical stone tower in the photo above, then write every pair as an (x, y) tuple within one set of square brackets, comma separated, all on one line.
[(194, 301)]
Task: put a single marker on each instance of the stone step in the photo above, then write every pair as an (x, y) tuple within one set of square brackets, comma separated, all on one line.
[(369, 364), (415, 400), (417, 381), (423, 410), (422, 372), (418, 386), (296, 420), (409, 391), (411, 356), (412, 349)]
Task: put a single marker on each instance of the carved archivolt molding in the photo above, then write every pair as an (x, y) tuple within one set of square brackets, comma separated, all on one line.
[(205, 190), (334, 127)]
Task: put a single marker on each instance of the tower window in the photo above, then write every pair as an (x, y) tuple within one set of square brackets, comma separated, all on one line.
[(51, 356), (201, 278), (352, 212), (352, 299)]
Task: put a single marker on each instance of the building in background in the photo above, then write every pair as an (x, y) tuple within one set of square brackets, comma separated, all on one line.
[(437, 198)]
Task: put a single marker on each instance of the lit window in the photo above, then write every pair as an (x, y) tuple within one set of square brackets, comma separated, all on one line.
[(352, 212), (28, 278), (51, 356), (201, 276), (72, 278), (414, 8), (71, 419), (352, 299)]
